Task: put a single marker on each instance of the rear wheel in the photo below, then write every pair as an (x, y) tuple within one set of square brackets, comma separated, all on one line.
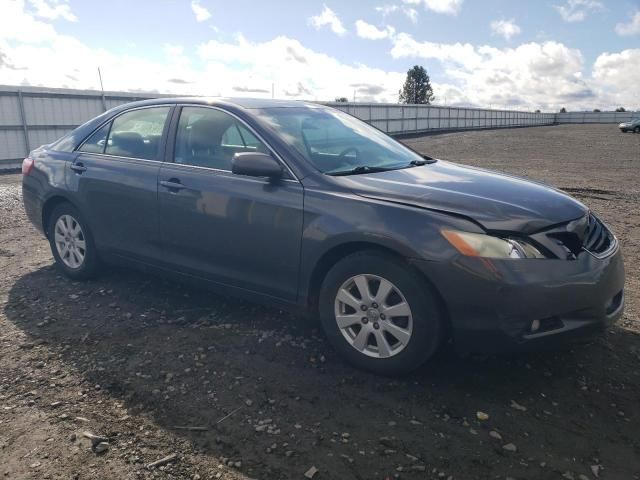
[(636, 129), (379, 314), (72, 243)]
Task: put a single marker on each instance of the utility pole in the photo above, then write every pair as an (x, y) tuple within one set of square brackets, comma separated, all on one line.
[(104, 102)]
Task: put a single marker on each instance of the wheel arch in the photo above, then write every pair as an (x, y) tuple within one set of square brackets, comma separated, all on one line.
[(333, 255), (47, 209)]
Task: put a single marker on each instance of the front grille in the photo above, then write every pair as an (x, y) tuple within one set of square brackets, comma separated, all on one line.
[(598, 239), (568, 240)]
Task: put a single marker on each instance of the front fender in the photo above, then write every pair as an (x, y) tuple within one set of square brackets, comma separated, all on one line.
[(336, 219)]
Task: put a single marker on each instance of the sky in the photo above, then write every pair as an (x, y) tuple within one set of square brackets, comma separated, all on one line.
[(518, 54)]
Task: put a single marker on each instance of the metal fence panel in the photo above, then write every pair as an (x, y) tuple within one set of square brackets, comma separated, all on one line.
[(378, 112), (395, 113), (9, 110), (12, 144)]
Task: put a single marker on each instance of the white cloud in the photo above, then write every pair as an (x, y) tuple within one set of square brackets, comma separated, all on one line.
[(32, 52), (614, 72), (386, 10), (297, 71), (53, 9), (173, 50), (577, 10), (449, 7), (631, 28), (404, 45), (545, 75), (505, 28), (17, 25), (328, 18), (371, 32), (533, 75), (411, 13), (202, 13)]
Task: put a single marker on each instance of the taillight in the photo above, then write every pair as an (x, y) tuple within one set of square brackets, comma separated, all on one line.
[(27, 165)]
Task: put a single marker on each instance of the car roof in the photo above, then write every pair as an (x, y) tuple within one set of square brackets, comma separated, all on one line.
[(245, 103)]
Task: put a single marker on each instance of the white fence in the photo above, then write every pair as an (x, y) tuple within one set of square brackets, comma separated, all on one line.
[(596, 117), (404, 119), (33, 116), (30, 116)]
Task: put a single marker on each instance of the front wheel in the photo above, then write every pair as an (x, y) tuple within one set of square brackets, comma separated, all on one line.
[(379, 314), (636, 130), (72, 243)]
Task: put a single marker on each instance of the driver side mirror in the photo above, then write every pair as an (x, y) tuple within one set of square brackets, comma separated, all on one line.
[(254, 164)]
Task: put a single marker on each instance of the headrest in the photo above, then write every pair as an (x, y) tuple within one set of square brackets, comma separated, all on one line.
[(207, 132), (130, 141)]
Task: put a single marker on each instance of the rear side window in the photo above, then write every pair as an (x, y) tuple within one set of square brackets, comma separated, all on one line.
[(97, 141), (137, 133), (210, 138)]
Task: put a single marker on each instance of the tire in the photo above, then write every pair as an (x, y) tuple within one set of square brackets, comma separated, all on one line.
[(424, 322), (636, 130), (80, 261)]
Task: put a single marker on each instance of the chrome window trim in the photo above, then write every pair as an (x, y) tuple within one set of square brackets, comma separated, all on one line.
[(229, 173), (244, 124), (138, 159), (185, 165)]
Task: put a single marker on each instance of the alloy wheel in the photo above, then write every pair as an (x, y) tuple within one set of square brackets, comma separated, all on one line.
[(373, 316), (70, 241)]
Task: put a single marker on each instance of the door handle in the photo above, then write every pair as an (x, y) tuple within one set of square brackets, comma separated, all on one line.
[(172, 184), (78, 167)]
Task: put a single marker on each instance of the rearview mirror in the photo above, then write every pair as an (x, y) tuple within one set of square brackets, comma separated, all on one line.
[(256, 164)]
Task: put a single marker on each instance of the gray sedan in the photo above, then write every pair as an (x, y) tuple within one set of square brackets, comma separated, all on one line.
[(632, 126), (306, 207)]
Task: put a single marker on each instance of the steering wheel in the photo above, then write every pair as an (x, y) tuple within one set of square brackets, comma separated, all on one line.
[(343, 154)]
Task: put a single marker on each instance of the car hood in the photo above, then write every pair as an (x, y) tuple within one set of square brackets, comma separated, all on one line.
[(496, 201)]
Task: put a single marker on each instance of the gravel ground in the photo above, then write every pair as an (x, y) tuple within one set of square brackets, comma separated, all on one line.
[(225, 389)]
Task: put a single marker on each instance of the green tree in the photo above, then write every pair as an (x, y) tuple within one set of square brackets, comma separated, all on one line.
[(417, 87), (620, 109), (596, 110), (342, 99), (563, 110)]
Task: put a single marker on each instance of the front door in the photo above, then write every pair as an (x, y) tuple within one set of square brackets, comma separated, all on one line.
[(233, 229)]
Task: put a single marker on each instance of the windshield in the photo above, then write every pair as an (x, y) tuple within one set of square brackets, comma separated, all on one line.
[(335, 142)]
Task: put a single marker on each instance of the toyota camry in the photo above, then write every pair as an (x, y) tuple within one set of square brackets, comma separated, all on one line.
[(306, 207)]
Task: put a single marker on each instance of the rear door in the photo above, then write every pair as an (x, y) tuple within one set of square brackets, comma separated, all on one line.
[(114, 178), (232, 229)]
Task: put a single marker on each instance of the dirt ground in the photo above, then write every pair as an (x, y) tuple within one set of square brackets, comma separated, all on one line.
[(238, 391)]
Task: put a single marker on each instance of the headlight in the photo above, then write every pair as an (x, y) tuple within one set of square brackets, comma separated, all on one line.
[(481, 245)]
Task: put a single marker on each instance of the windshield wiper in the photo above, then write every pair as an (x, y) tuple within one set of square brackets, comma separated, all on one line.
[(361, 169), (419, 163)]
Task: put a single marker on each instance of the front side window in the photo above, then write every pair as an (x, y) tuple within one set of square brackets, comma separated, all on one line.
[(335, 142), (137, 133), (210, 138)]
